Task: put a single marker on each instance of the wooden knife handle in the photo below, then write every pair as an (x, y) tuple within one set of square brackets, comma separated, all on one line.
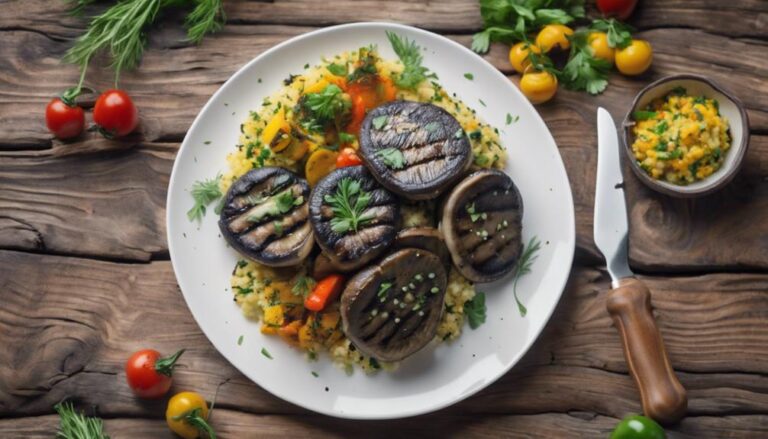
[(663, 397)]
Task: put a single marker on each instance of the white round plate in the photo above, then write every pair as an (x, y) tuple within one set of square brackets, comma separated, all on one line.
[(438, 375)]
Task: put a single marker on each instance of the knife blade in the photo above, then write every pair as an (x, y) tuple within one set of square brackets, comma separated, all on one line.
[(629, 302), (610, 225)]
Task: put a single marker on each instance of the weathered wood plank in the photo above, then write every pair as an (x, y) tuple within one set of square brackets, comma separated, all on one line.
[(229, 423), (108, 205), (69, 324)]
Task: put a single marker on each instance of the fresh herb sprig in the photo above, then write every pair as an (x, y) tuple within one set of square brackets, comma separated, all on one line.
[(348, 204), (524, 264), (619, 34), (303, 286), (583, 71), (75, 425), (331, 105), (475, 310), (393, 158), (409, 53), (204, 193)]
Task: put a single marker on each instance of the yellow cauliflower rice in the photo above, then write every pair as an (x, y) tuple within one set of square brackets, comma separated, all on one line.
[(275, 297), (681, 138)]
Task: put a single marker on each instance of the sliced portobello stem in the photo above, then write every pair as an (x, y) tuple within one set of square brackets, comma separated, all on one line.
[(391, 310), (266, 217), (482, 225), (414, 149), (351, 241)]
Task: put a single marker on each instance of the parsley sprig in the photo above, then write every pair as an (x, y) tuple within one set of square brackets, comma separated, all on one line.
[(348, 204), (331, 105), (584, 71), (619, 34), (303, 286), (475, 310), (409, 53), (524, 265), (204, 193)]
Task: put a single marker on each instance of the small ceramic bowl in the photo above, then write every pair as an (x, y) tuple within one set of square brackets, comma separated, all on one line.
[(730, 107)]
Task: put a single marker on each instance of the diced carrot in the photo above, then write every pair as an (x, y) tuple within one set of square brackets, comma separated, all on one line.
[(324, 292)]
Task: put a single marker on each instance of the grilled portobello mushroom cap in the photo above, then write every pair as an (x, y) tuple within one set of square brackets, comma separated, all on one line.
[(482, 225), (425, 238), (414, 149), (391, 310), (352, 240), (266, 217)]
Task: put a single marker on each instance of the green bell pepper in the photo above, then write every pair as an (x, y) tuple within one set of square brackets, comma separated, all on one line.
[(638, 427)]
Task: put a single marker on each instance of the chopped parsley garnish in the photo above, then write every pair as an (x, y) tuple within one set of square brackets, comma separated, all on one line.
[(337, 69), (348, 204), (410, 55), (644, 115), (315, 374), (384, 288), (475, 310), (204, 193), (459, 133), (243, 291), (482, 102), (678, 91), (661, 127), (524, 267), (469, 76), (306, 66), (512, 119), (473, 214), (303, 286), (240, 340), (281, 203), (393, 158), (380, 121), (346, 137), (432, 127), (278, 227), (266, 353), (207, 142)]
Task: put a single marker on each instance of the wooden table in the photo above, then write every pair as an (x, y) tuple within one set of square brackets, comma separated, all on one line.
[(85, 276)]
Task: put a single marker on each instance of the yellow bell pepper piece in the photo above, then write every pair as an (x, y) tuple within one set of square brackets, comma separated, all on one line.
[(319, 164), (277, 133)]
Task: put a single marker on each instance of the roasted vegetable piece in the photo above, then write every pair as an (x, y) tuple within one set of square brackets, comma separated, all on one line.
[(482, 225), (266, 217), (354, 218), (326, 290), (413, 149), (392, 309)]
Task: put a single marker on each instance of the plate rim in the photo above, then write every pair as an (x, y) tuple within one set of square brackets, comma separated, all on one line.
[(382, 25)]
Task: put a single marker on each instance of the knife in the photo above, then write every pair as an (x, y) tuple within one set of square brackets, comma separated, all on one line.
[(629, 301)]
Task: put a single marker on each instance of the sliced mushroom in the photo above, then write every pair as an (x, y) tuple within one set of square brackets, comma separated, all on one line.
[(425, 238), (352, 240), (322, 266), (414, 149), (266, 217), (482, 225), (391, 310)]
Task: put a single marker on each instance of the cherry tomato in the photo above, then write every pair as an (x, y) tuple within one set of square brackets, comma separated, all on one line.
[(638, 427), (635, 58), (115, 113), (538, 87), (187, 415), (617, 8), (598, 43), (554, 35), (148, 375), (348, 157), (64, 121), (518, 55)]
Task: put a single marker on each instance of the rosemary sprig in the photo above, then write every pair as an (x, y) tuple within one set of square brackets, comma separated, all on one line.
[(410, 55), (75, 425), (524, 267)]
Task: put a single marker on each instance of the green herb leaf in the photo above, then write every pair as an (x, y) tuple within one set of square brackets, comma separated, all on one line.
[(240, 340), (619, 34), (346, 137), (75, 425), (380, 121), (266, 353), (165, 365), (207, 17), (432, 127), (410, 55), (315, 374), (393, 158), (469, 76), (348, 205), (303, 286), (328, 104), (384, 287), (524, 265), (644, 115), (337, 69), (204, 193), (475, 310), (583, 71)]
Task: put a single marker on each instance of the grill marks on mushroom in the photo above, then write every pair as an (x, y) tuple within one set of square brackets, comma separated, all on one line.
[(414, 149), (425, 238), (266, 217), (482, 224), (352, 244), (392, 310)]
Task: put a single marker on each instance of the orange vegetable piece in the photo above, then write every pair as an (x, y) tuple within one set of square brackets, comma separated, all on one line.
[(324, 292), (348, 157)]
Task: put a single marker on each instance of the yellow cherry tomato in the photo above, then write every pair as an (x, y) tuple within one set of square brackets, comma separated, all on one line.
[(635, 58), (598, 43), (518, 55), (538, 87), (187, 415), (554, 35)]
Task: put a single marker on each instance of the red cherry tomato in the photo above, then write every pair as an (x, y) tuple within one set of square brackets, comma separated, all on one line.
[(115, 113), (149, 375), (64, 121), (348, 157), (621, 9)]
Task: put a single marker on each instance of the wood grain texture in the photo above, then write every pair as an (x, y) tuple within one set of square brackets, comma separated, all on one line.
[(69, 324)]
